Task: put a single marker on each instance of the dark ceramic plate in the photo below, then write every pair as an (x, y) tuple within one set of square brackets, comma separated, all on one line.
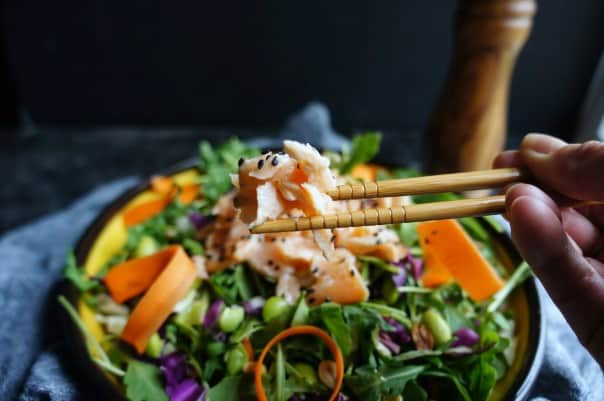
[(107, 389)]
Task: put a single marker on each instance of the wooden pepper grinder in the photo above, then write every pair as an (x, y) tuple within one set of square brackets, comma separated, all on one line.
[(468, 125)]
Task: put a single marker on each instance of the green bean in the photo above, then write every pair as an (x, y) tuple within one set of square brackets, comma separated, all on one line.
[(273, 307), (437, 325), (230, 318)]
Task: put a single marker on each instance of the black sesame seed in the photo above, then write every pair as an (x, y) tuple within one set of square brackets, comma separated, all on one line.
[(315, 270), (267, 156), (277, 267), (260, 164), (236, 202), (275, 161), (352, 272), (376, 234), (240, 162), (282, 239), (379, 242), (333, 238), (270, 262), (327, 299), (311, 300)]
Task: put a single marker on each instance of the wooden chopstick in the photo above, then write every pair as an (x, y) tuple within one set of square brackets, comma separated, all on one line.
[(455, 182), (403, 214)]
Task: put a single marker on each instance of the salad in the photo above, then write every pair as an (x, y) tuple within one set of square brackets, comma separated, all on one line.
[(193, 307)]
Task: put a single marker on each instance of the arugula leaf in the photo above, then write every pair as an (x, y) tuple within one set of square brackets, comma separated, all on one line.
[(193, 247), (331, 315), (246, 329), (226, 390), (397, 314), (482, 379), (217, 163), (521, 273), (414, 392), (407, 233), (232, 285), (143, 382), (379, 263), (453, 378), (76, 275), (280, 375), (369, 384), (364, 148)]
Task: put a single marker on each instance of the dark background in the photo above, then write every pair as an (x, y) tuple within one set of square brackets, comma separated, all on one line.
[(73, 71)]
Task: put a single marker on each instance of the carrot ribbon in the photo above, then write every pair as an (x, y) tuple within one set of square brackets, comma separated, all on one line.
[(166, 187), (166, 276), (452, 253), (295, 331)]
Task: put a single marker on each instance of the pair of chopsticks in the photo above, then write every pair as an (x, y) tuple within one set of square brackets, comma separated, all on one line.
[(455, 182)]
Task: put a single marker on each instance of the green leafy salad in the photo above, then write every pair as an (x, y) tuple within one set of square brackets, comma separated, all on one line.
[(196, 308)]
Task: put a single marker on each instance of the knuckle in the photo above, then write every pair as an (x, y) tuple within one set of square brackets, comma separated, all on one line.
[(580, 165)]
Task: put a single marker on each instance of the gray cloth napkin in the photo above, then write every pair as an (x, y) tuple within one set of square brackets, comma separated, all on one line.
[(35, 358)]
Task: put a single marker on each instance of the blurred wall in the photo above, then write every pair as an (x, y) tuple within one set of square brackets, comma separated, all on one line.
[(375, 64)]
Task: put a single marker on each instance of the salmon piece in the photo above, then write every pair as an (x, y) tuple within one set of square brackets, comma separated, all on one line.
[(313, 163), (288, 287), (371, 241), (337, 280), (271, 185)]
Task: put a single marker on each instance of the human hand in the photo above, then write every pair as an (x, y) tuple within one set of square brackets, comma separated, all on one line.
[(563, 245)]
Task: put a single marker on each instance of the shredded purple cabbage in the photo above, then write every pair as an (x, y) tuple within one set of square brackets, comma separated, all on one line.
[(417, 266), (465, 337), (414, 265), (389, 343), (187, 390), (400, 333), (179, 387), (219, 336), (254, 306), (212, 315), (400, 279), (198, 220)]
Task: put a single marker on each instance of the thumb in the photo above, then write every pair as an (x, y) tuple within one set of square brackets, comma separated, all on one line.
[(571, 170)]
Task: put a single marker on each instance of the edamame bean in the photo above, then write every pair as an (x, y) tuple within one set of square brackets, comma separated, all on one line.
[(236, 359), (154, 346), (308, 373), (441, 332), (230, 318), (273, 307), (146, 246)]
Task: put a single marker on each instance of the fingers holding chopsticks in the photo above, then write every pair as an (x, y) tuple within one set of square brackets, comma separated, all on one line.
[(564, 245)]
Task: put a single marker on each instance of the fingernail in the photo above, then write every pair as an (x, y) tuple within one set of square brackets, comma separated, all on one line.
[(539, 145)]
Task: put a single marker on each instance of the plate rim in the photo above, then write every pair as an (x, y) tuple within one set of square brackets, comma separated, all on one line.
[(108, 389)]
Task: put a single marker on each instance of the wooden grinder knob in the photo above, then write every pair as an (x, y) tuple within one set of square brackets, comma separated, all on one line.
[(468, 125)]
